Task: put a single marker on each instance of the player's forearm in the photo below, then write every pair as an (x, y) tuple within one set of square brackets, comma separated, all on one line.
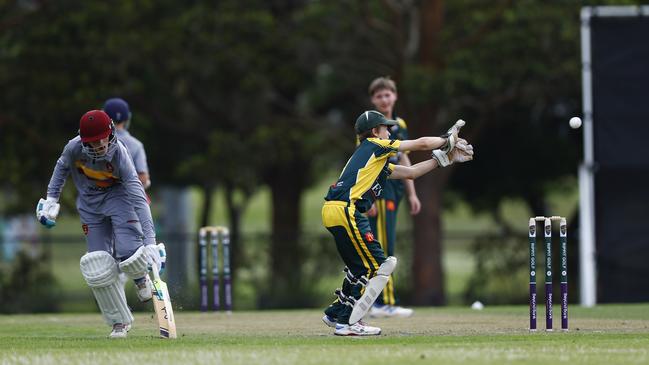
[(143, 212), (422, 168), (404, 160), (409, 185), (414, 171), (137, 196), (144, 179), (422, 144), (59, 175)]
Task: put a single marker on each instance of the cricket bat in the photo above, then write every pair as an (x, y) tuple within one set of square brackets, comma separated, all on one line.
[(162, 306)]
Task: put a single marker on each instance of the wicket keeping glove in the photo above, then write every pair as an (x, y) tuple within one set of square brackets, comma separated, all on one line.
[(452, 136), (47, 210), (462, 152)]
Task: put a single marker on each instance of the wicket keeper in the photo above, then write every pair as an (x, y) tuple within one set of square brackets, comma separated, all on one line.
[(361, 182)]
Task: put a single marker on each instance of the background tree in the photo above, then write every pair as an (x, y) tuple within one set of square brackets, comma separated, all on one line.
[(510, 68), (264, 93)]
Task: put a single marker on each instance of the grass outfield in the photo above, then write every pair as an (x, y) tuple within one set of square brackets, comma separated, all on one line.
[(609, 334)]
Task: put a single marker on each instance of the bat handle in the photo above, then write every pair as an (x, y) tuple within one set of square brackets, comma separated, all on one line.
[(155, 271)]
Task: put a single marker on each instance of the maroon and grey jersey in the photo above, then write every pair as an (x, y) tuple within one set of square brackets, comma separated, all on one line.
[(99, 180)]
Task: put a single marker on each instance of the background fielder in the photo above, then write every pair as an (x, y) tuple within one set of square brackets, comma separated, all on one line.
[(384, 212), (119, 111)]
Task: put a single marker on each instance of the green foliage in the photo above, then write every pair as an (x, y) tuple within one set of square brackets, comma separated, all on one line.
[(500, 273), (245, 93), (230, 82), (29, 287), (513, 71)]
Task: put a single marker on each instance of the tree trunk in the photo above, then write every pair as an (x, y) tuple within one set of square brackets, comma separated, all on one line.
[(431, 23), (235, 210), (286, 254), (428, 271), (208, 190)]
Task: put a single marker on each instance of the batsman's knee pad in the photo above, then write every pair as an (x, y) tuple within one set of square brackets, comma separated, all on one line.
[(99, 269), (374, 287), (136, 266)]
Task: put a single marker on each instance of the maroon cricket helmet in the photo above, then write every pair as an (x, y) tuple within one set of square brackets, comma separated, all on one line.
[(95, 125)]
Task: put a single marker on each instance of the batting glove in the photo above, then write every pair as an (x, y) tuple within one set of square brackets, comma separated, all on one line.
[(163, 256), (47, 210), (156, 254)]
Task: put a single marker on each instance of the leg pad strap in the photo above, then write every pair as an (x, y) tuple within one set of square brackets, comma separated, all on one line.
[(362, 280), (344, 299)]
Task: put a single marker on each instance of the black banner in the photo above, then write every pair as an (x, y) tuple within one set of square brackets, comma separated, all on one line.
[(620, 71)]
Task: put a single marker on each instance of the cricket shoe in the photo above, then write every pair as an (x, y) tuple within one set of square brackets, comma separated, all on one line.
[(143, 288), (329, 321), (357, 329), (386, 311), (119, 331)]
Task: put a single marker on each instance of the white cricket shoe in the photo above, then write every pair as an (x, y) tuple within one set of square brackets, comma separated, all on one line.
[(119, 331), (386, 311), (357, 329), (144, 289), (330, 322)]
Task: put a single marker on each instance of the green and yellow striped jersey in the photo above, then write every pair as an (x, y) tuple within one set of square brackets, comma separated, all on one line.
[(365, 174)]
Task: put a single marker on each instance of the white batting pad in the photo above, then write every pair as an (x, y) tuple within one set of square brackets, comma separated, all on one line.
[(99, 269), (374, 287), (135, 266), (388, 266)]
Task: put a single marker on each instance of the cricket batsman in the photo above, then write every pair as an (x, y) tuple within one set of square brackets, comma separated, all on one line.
[(114, 212), (361, 182)]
